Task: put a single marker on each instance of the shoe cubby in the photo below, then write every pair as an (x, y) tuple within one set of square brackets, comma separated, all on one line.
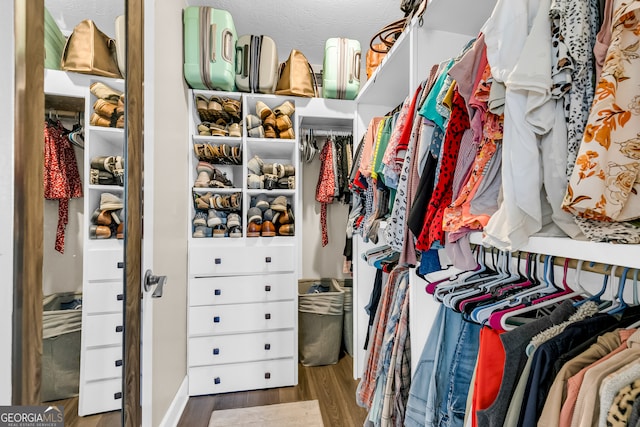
[(271, 166), (270, 118), (217, 116), (270, 215), (216, 214), (106, 104)]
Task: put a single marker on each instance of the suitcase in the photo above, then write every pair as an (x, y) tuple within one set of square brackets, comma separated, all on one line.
[(341, 68), (256, 64), (121, 43), (209, 48), (54, 42)]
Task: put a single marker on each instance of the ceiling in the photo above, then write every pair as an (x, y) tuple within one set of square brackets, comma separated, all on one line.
[(301, 24)]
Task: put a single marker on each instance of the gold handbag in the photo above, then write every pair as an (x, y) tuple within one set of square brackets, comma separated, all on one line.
[(296, 77), (90, 51)]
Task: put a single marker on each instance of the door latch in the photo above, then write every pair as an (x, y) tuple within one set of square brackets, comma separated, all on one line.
[(150, 281)]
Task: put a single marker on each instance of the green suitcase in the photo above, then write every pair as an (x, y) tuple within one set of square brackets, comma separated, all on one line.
[(209, 48), (54, 42)]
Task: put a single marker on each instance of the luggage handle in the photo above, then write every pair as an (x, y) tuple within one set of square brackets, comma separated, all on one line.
[(212, 42), (242, 61), (356, 66), (227, 45)]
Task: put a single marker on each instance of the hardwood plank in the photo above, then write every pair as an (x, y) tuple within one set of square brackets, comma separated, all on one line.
[(332, 385), (132, 411), (71, 418), (29, 203)]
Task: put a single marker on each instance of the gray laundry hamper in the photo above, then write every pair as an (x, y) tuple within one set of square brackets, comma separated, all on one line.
[(60, 347), (346, 285), (320, 318)]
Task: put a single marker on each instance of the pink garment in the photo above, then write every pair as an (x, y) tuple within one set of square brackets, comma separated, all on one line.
[(366, 162), (574, 383)]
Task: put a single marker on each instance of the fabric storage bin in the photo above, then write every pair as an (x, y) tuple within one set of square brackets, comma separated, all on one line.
[(346, 285), (60, 347), (320, 318)]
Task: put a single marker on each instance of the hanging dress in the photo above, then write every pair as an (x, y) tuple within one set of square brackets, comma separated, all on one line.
[(61, 177)]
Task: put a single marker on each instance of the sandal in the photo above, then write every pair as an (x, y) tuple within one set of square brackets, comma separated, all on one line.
[(286, 109), (234, 201), (236, 155), (287, 134), (202, 201), (219, 179), (102, 91), (262, 110), (234, 130), (220, 202), (202, 105), (233, 107), (203, 129), (201, 151)]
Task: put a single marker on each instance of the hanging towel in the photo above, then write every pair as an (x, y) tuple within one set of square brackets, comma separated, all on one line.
[(325, 190), (61, 177)]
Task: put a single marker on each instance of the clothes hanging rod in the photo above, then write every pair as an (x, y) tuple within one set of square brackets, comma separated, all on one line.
[(324, 132), (51, 113)]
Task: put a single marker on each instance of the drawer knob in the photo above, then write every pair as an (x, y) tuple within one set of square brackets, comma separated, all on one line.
[(217, 261), (267, 346), (267, 316), (217, 292), (117, 395), (267, 288), (216, 351), (216, 319), (118, 363), (216, 380), (267, 259), (119, 328), (121, 265), (120, 297), (267, 375)]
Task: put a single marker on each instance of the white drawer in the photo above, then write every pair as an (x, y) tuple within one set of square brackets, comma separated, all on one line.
[(102, 330), (241, 347), (223, 319), (240, 260), (102, 264), (102, 297), (100, 396), (241, 289), (102, 363), (242, 376)]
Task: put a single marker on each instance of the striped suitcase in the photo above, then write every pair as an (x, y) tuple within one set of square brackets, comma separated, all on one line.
[(209, 48), (256, 64), (54, 42), (341, 68)]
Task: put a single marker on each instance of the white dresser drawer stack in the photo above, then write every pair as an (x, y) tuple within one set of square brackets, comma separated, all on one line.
[(244, 244), (242, 319)]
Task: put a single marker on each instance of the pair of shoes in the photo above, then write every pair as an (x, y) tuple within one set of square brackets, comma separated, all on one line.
[(112, 164), (105, 220), (202, 231), (200, 219), (202, 201), (279, 169), (101, 217), (227, 202), (254, 126), (210, 176), (285, 109), (103, 91), (107, 114), (265, 229), (102, 177)]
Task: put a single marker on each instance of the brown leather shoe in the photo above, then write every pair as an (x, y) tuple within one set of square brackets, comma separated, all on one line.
[(286, 230), (120, 232), (253, 229), (99, 232), (268, 229), (97, 120), (285, 217), (101, 217), (105, 108)]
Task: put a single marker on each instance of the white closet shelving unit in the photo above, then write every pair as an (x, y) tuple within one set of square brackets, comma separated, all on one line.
[(102, 276), (242, 308)]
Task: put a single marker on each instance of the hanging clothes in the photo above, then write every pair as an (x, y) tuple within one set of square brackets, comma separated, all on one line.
[(61, 177), (325, 189)]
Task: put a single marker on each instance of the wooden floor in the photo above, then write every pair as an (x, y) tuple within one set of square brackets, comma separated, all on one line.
[(332, 385)]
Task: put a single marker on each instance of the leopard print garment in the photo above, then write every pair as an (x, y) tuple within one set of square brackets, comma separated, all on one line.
[(620, 410)]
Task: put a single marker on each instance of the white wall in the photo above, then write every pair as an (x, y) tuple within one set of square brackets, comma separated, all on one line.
[(318, 261), (170, 135), (7, 41)]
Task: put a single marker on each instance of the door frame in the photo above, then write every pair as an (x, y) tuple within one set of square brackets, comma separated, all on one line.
[(28, 229)]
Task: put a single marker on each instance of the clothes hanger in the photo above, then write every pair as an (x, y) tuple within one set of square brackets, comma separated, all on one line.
[(468, 281), (597, 298), (549, 300), (618, 304)]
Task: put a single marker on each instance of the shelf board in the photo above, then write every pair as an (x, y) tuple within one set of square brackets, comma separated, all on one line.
[(277, 191), (605, 253), (216, 190), (235, 140), (106, 188)]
